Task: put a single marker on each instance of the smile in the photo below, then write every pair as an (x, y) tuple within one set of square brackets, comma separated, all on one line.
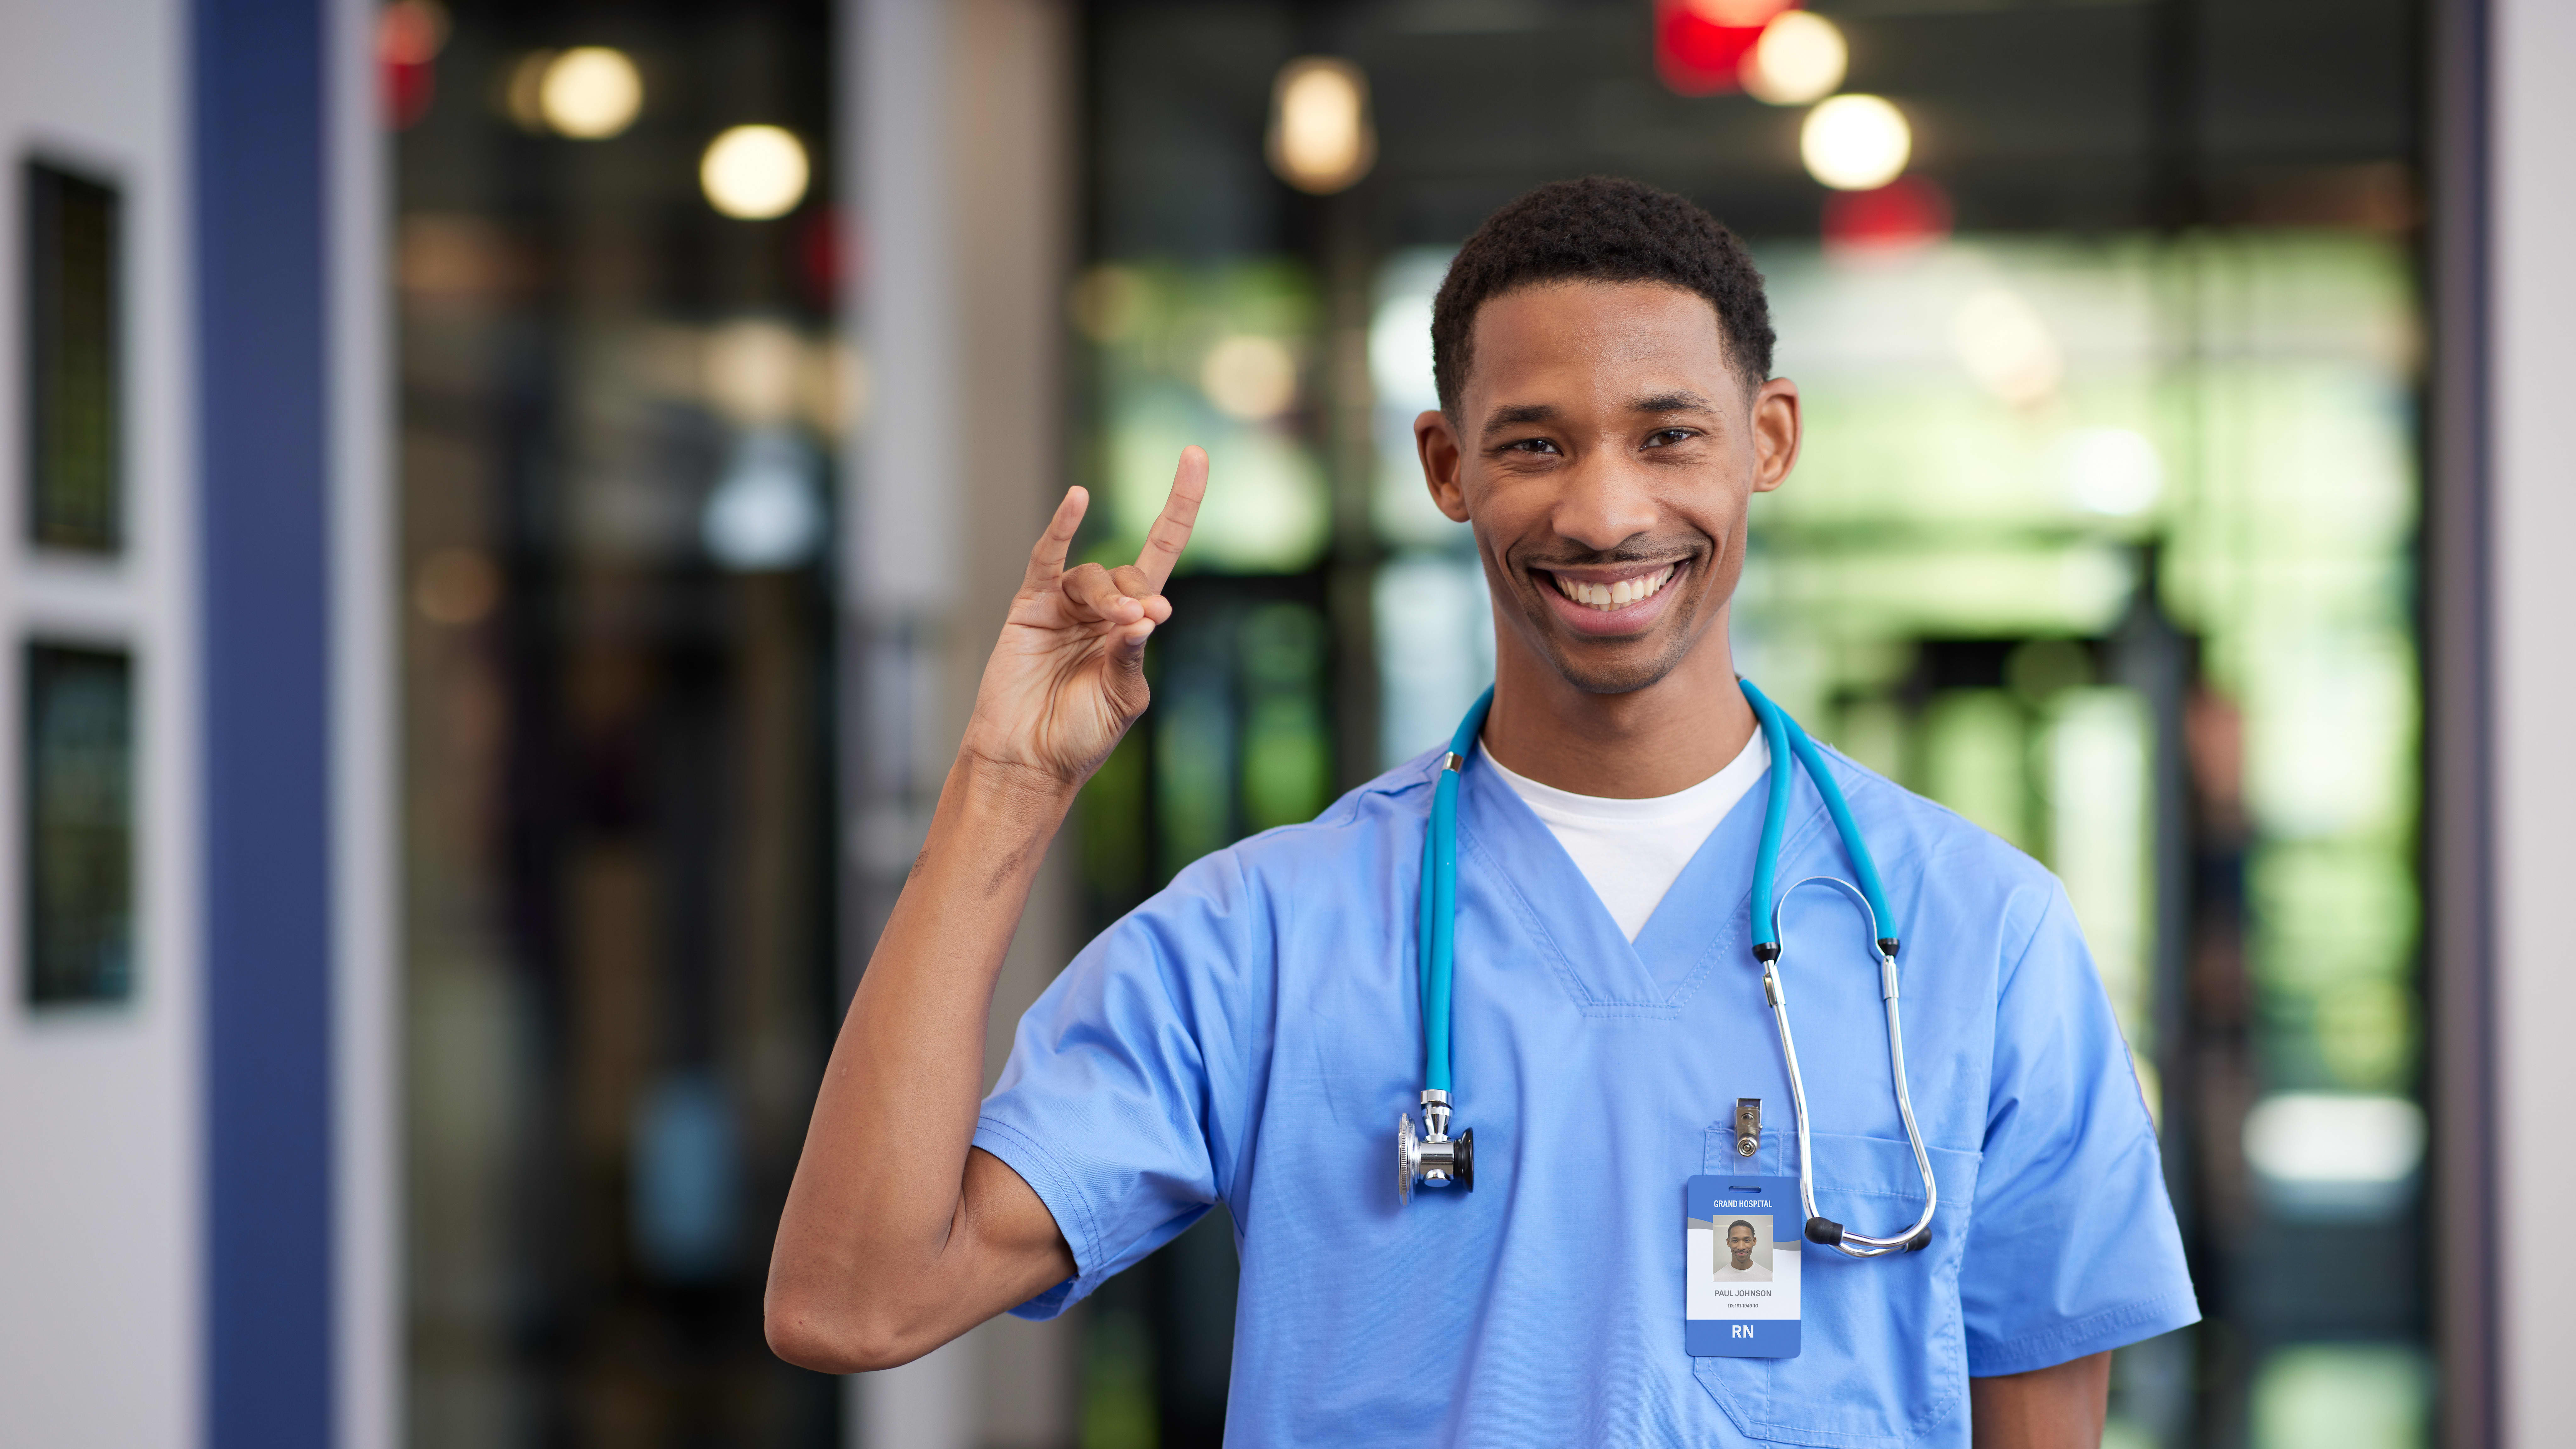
[(1617, 593)]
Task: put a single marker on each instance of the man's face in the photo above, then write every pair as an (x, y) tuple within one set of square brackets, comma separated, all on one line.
[(1739, 1241), (1606, 454)]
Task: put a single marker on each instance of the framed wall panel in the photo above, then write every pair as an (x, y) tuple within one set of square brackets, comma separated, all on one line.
[(73, 280), (79, 846)]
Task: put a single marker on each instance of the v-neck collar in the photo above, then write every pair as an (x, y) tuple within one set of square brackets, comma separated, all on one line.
[(1704, 917)]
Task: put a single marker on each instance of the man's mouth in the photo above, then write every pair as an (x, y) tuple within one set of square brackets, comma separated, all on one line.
[(1601, 603), (1610, 596)]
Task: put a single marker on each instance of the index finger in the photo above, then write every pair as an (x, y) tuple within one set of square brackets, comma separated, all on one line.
[(1046, 560), (1171, 531)]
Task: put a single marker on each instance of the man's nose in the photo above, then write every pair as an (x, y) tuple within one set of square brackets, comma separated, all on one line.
[(1605, 502)]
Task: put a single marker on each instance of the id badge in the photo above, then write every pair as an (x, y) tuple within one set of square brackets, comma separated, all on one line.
[(1741, 1292)]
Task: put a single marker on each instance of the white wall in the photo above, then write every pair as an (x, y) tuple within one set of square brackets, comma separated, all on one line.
[(99, 1206), (2533, 460)]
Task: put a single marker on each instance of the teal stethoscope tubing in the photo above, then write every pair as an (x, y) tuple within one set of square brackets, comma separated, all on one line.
[(1435, 931), (1440, 896), (1786, 740)]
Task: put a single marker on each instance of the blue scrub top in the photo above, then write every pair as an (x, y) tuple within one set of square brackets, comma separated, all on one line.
[(1250, 1034)]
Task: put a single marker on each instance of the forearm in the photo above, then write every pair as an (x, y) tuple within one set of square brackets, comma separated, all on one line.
[(897, 1234), (878, 1227)]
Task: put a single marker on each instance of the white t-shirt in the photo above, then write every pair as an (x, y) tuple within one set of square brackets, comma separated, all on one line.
[(1633, 850)]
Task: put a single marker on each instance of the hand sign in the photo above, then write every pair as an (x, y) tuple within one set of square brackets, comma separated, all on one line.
[(1068, 676)]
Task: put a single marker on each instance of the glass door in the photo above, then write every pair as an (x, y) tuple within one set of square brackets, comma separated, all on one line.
[(619, 399)]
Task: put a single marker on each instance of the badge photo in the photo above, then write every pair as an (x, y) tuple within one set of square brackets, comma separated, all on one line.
[(1741, 1267)]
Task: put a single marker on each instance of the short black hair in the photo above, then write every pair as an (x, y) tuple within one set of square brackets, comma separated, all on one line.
[(1600, 229), (1741, 1223)]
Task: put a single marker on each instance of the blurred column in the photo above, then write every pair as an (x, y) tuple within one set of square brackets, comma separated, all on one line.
[(366, 1179), (2531, 311), (899, 542), (957, 124), (2459, 846)]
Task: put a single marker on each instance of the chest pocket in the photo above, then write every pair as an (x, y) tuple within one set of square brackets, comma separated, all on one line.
[(1884, 1357)]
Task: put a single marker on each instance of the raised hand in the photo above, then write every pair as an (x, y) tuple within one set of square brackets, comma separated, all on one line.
[(1068, 675)]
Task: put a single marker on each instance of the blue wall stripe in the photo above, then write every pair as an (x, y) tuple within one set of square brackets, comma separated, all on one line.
[(264, 385)]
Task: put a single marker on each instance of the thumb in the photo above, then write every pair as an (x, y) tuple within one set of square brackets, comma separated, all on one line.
[(1127, 666)]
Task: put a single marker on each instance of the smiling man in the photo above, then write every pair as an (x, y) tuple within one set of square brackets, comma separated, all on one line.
[(1250, 1035), (1739, 1266)]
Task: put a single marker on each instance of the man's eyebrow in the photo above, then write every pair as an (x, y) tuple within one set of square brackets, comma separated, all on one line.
[(1517, 414), (1684, 401), (1679, 401)]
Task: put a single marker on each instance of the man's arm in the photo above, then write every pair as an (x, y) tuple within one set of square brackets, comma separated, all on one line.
[(2059, 1407), (897, 1235)]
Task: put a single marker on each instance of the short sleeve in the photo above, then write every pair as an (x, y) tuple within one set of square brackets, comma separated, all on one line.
[(1112, 1106), (2072, 1247)]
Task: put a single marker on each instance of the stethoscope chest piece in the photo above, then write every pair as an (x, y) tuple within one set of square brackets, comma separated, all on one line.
[(1433, 1158)]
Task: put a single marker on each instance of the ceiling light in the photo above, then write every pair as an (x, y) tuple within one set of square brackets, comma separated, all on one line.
[(590, 92), (1321, 139), (1897, 219), (2113, 471), (457, 586), (411, 32), (764, 515), (1734, 13), (2007, 347), (1109, 302), (754, 369), (1799, 59), (2334, 1137), (1249, 377), (755, 172), (522, 95), (1855, 143)]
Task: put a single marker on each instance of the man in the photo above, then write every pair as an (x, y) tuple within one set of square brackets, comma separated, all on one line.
[(1740, 1267), (1250, 1034)]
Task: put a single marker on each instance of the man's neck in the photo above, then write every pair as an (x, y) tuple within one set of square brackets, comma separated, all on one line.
[(1654, 741)]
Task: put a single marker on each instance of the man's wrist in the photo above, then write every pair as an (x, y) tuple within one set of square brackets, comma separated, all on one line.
[(1012, 788)]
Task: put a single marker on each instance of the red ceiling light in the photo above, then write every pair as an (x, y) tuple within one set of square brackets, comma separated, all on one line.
[(409, 35), (1906, 214), (1701, 44)]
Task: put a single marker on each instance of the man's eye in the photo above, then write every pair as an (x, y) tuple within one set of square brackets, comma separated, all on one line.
[(1666, 437), (1530, 445)]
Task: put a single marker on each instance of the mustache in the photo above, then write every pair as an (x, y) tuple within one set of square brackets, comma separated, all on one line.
[(1612, 558)]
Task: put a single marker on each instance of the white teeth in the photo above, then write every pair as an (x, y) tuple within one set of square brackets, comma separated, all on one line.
[(1620, 595)]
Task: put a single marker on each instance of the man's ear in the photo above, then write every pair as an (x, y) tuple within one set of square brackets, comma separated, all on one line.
[(1776, 433), (1442, 458)]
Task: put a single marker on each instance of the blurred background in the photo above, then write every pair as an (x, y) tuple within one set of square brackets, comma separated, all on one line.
[(2110, 326), (516, 496)]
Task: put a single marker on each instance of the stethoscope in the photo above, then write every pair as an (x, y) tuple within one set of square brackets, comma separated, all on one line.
[(1435, 1159)]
